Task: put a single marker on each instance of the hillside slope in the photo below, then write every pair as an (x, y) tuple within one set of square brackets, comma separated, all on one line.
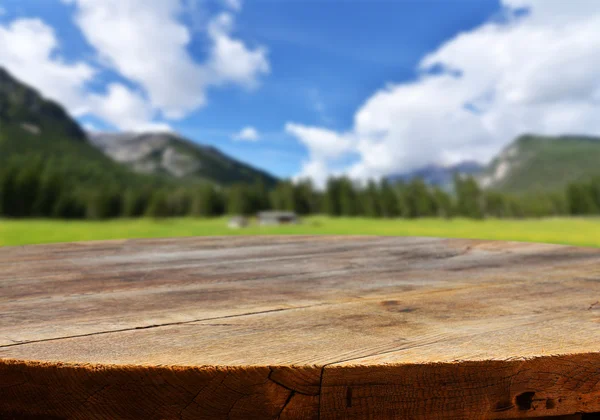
[(23, 107), (543, 163), (33, 128), (173, 155)]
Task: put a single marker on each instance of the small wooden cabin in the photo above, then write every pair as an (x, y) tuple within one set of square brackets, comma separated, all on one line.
[(277, 218)]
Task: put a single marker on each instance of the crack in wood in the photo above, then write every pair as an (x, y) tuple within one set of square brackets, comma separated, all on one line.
[(168, 324), (320, 392), (270, 377), (292, 393)]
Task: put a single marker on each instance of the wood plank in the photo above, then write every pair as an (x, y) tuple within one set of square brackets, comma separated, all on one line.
[(297, 327), (508, 389), (128, 285)]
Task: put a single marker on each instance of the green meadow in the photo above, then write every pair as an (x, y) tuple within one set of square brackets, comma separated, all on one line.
[(572, 231)]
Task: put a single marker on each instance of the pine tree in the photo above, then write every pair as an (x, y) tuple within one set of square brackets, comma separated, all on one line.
[(418, 199), (559, 203), (443, 203), (347, 197), (260, 196), (332, 205), (179, 202), (370, 201), (50, 189), (27, 184), (306, 198), (206, 202), (103, 204), (389, 203), (581, 200), (496, 204), (239, 201), (158, 206), (8, 193), (469, 197), (67, 206), (283, 197), (594, 187), (134, 203)]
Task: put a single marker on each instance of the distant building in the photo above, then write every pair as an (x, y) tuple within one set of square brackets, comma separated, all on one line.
[(237, 222), (277, 218)]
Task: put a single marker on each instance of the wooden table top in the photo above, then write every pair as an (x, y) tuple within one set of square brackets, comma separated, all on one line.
[(299, 327)]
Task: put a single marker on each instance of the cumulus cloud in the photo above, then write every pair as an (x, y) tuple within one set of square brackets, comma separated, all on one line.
[(147, 43), (126, 109), (28, 49), (325, 148), (247, 134), (315, 170), (230, 59), (143, 42), (321, 143), (532, 72)]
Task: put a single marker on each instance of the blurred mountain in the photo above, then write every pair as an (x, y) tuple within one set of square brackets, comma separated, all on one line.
[(439, 175), (529, 163), (32, 127), (23, 107), (543, 163), (37, 130), (173, 155)]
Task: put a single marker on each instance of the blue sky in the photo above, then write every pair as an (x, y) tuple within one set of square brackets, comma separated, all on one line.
[(308, 80)]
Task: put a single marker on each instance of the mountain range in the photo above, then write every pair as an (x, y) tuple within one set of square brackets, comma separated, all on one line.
[(32, 127), (544, 163), (172, 155), (529, 163)]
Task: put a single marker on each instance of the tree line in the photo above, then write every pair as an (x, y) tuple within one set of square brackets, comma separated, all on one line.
[(41, 189)]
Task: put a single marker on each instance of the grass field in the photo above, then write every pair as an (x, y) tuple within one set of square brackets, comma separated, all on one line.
[(573, 231)]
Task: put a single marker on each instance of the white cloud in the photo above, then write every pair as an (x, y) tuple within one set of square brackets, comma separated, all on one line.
[(146, 42), (533, 73), (126, 109), (230, 59), (28, 50), (316, 170), (247, 134), (322, 143), (325, 148)]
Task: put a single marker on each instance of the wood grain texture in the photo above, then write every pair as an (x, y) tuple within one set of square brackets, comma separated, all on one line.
[(299, 327)]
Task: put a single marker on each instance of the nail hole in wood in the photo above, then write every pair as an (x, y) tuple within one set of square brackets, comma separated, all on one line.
[(524, 400)]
